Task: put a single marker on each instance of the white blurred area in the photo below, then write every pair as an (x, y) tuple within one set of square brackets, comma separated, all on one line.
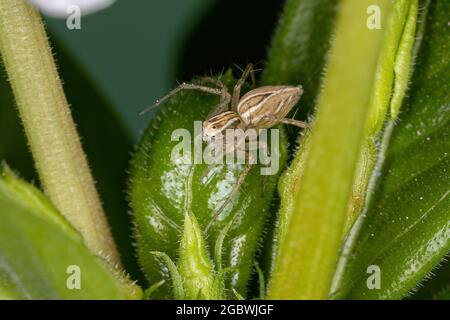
[(59, 8)]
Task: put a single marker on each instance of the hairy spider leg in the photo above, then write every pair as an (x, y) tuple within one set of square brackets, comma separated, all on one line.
[(225, 98), (230, 197), (237, 88), (236, 187), (246, 170), (188, 86), (263, 145), (289, 121)]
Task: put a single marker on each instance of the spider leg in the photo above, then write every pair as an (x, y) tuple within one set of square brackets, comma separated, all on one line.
[(224, 104), (294, 122), (216, 162), (252, 76), (212, 80), (264, 156), (237, 88), (185, 86), (263, 152), (207, 171), (233, 192), (225, 98)]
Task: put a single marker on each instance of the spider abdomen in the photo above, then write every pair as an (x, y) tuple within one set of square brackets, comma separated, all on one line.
[(263, 107)]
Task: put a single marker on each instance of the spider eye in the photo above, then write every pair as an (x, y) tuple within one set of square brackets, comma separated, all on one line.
[(214, 127)]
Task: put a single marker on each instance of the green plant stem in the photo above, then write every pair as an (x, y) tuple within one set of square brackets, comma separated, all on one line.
[(389, 89), (314, 234), (52, 136)]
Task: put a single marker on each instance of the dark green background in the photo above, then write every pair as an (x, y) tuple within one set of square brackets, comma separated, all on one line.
[(138, 49), (124, 58), (131, 49)]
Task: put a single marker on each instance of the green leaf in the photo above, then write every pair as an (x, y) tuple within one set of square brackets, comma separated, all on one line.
[(391, 81), (405, 229), (196, 268), (160, 185), (105, 141), (51, 132), (392, 72), (173, 273), (297, 56), (310, 248), (436, 284), (41, 253)]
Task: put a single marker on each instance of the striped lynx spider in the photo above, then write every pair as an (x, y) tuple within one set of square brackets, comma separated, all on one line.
[(260, 108)]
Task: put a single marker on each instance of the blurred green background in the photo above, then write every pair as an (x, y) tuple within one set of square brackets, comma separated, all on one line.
[(122, 60), (130, 49), (138, 49)]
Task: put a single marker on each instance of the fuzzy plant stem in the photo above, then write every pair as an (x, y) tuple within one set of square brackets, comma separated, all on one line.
[(310, 249), (49, 127)]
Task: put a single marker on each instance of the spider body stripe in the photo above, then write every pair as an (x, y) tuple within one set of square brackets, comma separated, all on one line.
[(260, 108), (217, 125), (276, 101)]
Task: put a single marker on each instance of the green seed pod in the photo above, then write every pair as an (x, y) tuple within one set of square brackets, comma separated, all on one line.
[(195, 267), (163, 187)]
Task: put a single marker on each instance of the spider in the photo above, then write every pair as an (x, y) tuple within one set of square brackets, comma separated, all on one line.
[(260, 108)]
